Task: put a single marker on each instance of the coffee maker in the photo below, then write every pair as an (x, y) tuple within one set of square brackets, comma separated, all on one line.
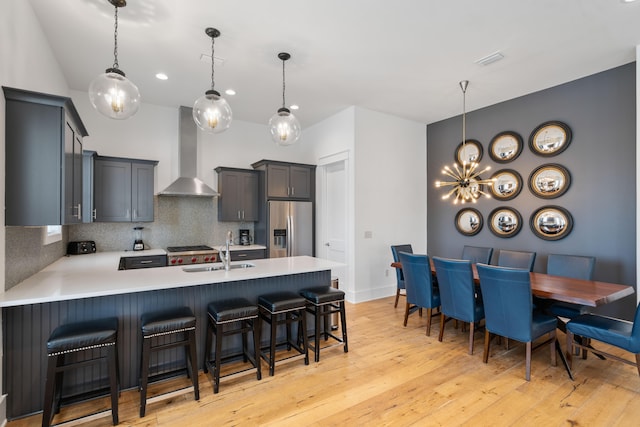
[(245, 237)]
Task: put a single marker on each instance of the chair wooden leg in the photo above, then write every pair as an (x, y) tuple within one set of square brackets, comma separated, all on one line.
[(569, 350), (487, 344), (585, 342), (471, 329), (552, 348), (442, 320), (528, 362), (506, 343), (429, 314), (420, 311), (395, 305), (406, 313), (638, 362)]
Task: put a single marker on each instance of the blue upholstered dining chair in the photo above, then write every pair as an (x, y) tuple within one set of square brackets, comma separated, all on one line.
[(509, 313), (577, 267), (516, 259), (477, 254), (457, 295), (419, 285), (399, 274), (615, 332)]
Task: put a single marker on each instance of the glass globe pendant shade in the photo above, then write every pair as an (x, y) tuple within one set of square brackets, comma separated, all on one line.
[(212, 112), (284, 127), (113, 95)]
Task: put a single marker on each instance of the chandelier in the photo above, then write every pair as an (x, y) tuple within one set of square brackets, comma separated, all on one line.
[(211, 111), (466, 183), (112, 93), (284, 126)]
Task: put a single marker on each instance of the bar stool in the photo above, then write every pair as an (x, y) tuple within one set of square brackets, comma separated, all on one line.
[(322, 302), (70, 340), (284, 308), (222, 314), (168, 324)]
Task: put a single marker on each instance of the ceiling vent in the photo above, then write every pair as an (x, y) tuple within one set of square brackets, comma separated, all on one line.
[(490, 59)]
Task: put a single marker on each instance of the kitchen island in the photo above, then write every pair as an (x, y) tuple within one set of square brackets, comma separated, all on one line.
[(84, 287)]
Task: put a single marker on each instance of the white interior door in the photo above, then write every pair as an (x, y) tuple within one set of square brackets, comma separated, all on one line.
[(334, 222)]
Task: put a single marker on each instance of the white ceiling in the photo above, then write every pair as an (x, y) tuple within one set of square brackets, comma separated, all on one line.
[(402, 57)]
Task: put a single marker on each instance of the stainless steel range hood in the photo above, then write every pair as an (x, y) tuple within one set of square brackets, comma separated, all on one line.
[(187, 183)]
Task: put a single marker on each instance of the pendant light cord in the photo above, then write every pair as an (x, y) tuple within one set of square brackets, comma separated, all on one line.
[(115, 42), (212, 61), (283, 85)]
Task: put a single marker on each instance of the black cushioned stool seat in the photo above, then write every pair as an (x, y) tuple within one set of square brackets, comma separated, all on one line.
[(175, 327), (284, 308), (73, 338), (322, 302), (222, 316)]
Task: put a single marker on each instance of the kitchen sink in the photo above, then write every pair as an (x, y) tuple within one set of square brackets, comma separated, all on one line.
[(216, 267)]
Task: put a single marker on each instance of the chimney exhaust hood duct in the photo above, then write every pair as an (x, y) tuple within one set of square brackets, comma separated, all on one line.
[(187, 183)]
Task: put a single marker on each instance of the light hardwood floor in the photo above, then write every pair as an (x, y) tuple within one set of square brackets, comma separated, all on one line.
[(394, 375)]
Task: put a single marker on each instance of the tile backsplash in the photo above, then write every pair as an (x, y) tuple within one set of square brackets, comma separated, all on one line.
[(178, 221)]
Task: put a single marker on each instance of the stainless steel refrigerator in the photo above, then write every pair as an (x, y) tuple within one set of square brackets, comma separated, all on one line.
[(290, 229)]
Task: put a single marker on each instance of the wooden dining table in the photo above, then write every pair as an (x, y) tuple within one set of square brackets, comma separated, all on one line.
[(591, 293)]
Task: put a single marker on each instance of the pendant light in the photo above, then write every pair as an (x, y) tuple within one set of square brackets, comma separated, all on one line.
[(284, 126), (211, 111), (467, 183), (112, 93)]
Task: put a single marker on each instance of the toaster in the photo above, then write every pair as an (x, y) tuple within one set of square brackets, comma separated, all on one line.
[(84, 247)]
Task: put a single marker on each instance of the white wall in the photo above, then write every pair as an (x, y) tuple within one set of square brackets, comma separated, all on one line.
[(26, 62), (390, 199), (335, 136)]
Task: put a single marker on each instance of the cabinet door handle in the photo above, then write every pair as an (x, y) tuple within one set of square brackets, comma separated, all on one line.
[(242, 214), (293, 191), (135, 213), (79, 208), (238, 214), (127, 215), (241, 255)]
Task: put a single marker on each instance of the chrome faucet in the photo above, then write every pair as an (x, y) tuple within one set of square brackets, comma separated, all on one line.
[(225, 256)]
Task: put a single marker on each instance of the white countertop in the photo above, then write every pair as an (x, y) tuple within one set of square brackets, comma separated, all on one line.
[(94, 275)]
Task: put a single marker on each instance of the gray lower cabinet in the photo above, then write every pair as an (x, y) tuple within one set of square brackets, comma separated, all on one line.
[(123, 189), (43, 149), (238, 200), (290, 181), (247, 255)]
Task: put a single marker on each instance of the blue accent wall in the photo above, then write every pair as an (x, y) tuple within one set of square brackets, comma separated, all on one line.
[(601, 111)]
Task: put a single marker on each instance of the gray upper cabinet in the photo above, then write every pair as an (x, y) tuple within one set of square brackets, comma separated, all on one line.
[(238, 200), (43, 152), (122, 189), (291, 181)]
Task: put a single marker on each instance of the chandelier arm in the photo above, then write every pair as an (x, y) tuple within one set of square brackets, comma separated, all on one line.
[(451, 175)]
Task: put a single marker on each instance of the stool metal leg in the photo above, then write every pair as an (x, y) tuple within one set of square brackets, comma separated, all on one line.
[(192, 363), (144, 374), (112, 360), (343, 321), (50, 390), (257, 329), (219, 333)]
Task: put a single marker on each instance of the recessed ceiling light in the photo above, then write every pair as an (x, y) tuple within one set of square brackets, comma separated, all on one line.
[(294, 107), (161, 76), (230, 92), (627, 1)]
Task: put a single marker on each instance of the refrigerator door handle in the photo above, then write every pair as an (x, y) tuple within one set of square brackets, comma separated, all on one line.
[(290, 235)]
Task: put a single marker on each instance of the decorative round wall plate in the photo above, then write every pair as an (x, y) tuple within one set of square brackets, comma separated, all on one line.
[(472, 152), (549, 181), (507, 184), (505, 147), (505, 222), (550, 138), (551, 223), (469, 221)]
